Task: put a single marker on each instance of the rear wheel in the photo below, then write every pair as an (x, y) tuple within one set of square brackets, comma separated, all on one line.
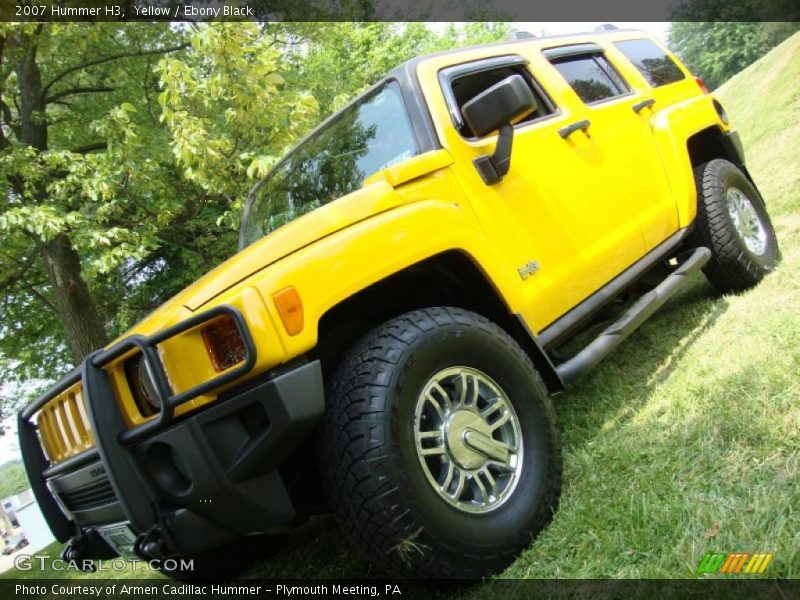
[(733, 222), (440, 452)]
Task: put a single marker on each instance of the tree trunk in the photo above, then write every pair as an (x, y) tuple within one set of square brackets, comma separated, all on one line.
[(33, 125), (76, 307), (77, 310)]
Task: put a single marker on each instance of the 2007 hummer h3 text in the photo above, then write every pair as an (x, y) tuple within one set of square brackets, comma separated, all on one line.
[(386, 341)]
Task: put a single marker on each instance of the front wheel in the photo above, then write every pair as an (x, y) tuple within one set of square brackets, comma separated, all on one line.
[(733, 223), (439, 451)]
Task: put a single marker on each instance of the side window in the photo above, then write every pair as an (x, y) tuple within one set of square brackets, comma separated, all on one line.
[(592, 77), (651, 61), (463, 84)]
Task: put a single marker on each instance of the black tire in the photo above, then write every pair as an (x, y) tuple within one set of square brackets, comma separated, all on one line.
[(733, 266), (374, 481)]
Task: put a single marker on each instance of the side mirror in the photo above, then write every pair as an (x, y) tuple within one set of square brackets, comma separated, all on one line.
[(496, 109), (502, 104)]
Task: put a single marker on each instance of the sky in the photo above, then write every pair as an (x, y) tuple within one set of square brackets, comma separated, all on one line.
[(658, 29), (9, 443)]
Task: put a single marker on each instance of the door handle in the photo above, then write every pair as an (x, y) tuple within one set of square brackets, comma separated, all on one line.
[(583, 125), (639, 106)]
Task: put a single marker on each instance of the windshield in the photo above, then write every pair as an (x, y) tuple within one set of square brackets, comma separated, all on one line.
[(370, 135)]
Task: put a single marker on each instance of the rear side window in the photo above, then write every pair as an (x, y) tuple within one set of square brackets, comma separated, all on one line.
[(651, 61), (465, 84), (592, 77)]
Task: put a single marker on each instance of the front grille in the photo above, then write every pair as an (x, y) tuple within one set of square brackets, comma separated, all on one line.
[(63, 425), (97, 493)]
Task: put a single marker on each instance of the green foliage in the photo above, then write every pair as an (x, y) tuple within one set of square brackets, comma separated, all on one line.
[(13, 479), (229, 111), (716, 50), (103, 177), (155, 135), (338, 60)]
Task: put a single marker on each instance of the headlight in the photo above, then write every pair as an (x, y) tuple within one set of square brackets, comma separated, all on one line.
[(147, 384), (143, 386)]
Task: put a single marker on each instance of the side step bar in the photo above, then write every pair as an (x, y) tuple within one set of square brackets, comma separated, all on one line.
[(630, 321)]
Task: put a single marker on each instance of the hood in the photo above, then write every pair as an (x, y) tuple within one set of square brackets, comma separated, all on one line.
[(377, 195), (370, 200)]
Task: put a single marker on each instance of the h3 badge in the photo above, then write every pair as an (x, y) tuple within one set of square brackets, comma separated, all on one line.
[(528, 269)]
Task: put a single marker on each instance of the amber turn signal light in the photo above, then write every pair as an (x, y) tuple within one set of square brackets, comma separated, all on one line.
[(224, 343), (290, 309)]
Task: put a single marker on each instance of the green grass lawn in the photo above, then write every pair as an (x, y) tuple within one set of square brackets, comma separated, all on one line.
[(685, 441)]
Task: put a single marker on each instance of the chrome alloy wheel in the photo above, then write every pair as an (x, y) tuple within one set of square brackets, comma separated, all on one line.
[(468, 439), (746, 220)]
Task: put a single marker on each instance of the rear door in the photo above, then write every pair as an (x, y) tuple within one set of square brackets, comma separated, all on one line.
[(661, 77), (620, 134)]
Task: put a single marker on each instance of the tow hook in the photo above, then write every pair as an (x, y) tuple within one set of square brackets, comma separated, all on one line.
[(150, 544), (75, 552)]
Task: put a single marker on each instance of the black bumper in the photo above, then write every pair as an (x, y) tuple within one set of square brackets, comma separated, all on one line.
[(192, 483)]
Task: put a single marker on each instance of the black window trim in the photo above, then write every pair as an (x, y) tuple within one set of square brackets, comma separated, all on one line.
[(589, 50), (554, 52), (448, 74), (416, 106)]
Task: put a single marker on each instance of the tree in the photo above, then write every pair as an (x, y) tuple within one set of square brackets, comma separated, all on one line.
[(717, 49), (244, 94), (127, 151), (338, 60), (55, 83), (229, 109)]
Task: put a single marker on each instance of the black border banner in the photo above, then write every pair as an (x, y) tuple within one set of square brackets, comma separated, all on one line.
[(398, 10), (496, 589)]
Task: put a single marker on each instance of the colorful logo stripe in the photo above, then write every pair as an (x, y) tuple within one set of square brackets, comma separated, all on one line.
[(734, 563)]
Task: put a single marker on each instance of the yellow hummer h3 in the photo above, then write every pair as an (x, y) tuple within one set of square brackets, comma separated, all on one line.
[(386, 342)]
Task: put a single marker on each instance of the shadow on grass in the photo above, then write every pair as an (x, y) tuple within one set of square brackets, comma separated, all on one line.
[(318, 549), (622, 383), (616, 390)]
